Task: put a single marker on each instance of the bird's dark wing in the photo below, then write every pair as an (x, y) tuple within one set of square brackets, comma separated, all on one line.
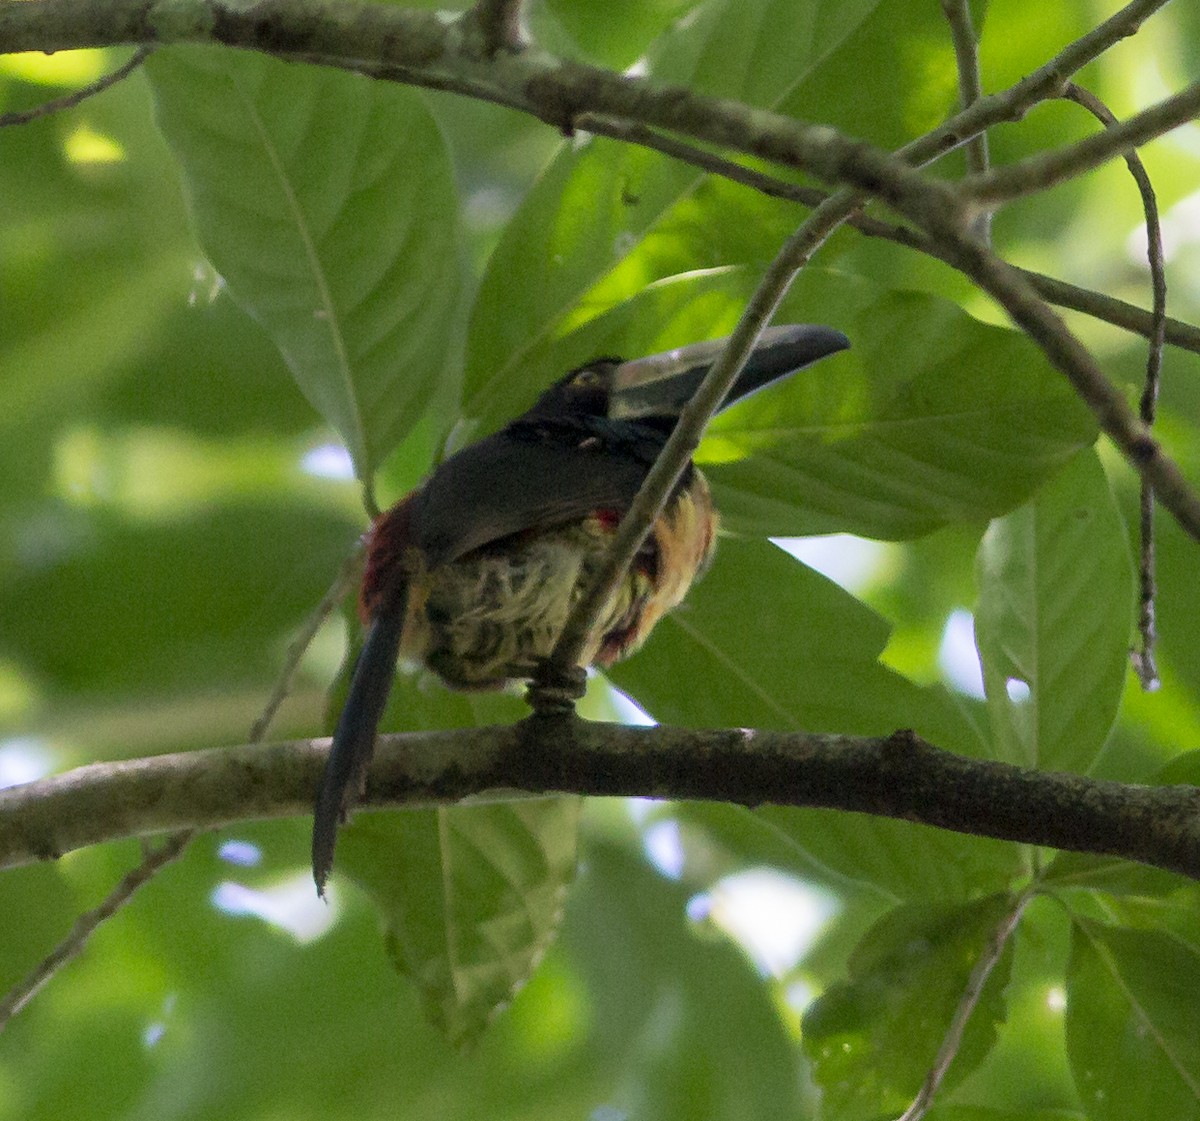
[(529, 476)]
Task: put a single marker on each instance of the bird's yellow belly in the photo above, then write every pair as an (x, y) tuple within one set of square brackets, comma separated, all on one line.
[(492, 616)]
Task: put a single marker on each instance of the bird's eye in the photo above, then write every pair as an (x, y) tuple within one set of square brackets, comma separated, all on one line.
[(586, 377)]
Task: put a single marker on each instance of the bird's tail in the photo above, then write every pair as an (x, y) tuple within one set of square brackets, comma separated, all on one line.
[(354, 739)]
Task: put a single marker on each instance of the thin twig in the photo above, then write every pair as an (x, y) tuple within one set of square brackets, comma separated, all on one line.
[(1045, 82), (1142, 655), (978, 979), (70, 100), (970, 90), (154, 861), (89, 922), (1027, 177), (1117, 312), (345, 579), (685, 438)]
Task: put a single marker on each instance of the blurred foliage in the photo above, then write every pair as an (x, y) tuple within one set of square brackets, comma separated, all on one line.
[(172, 422)]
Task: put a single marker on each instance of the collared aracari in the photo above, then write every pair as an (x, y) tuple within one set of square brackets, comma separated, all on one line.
[(473, 573)]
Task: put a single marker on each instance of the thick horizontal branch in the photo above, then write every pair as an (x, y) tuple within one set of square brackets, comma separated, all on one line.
[(900, 776)]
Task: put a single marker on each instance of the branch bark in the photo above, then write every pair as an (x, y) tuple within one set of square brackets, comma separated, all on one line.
[(899, 776), (1048, 169)]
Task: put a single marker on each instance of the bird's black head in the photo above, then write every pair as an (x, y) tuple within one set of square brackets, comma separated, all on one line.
[(585, 391), (653, 390)]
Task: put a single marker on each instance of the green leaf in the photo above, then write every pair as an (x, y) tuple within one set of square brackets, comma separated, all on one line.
[(769, 643), (1055, 615), (899, 860), (326, 203), (596, 202), (1133, 1023), (873, 1038), (471, 895), (931, 417)]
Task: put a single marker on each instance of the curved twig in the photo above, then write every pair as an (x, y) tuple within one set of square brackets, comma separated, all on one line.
[(70, 100), (1142, 655)]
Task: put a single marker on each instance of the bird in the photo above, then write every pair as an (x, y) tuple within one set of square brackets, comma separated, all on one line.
[(472, 575)]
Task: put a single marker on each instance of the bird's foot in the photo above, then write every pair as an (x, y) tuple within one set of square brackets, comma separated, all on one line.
[(553, 689)]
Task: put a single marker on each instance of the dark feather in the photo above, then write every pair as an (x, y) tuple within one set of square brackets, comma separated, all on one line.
[(354, 740), (534, 474)]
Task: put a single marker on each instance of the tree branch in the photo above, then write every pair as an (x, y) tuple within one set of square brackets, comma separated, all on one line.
[(970, 90), (899, 776), (1027, 177), (1087, 301)]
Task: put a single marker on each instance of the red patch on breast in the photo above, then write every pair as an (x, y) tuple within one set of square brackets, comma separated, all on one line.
[(387, 541), (608, 519)]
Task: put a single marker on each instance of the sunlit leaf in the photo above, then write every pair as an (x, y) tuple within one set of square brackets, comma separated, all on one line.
[(325, 201), (1053, 620)]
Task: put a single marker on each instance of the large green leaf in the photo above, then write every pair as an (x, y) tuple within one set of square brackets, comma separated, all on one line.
[(1054, 619), (1133, 1023), (858, 855), (931, 417), (872, 1038), (896, 859), (597, 202), (471, 896), (326, 203), (765, 642)]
